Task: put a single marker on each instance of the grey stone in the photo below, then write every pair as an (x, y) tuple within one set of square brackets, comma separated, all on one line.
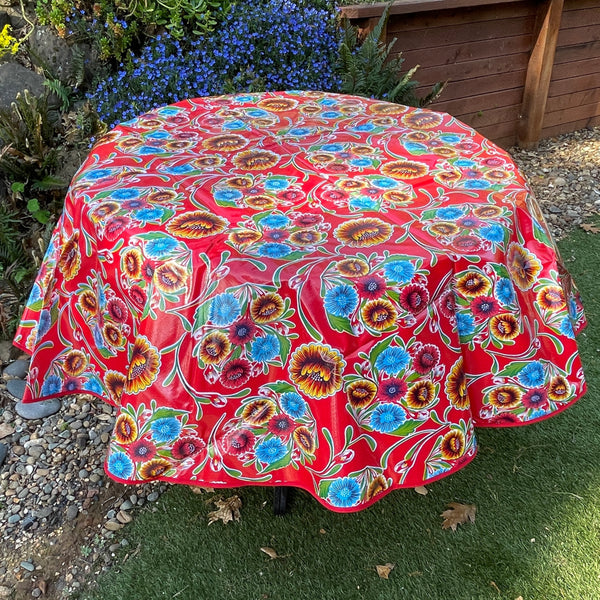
[(72, 512), (127, 505), (38, 410), (15, 78), (27, 522), (35, 451), (13, 519), (52, 53), (27, 565), (18, 369), (7, 350), (3, 453), (153, 496), (16, 387), (43, 513)]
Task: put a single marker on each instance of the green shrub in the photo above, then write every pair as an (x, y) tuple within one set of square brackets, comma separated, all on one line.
[(367, 70)]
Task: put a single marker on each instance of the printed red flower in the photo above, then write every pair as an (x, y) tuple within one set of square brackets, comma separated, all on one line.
[(142, 450), (187, 446), (426, 358), (414, 298), (242, 331), (535, 398), (238, 441), (117, 309), (116, 226), (484, 307), (393, 389), (281, 425), (236, 373), (371, 286)]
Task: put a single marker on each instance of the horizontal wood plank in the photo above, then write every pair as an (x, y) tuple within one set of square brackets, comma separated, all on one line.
[(576, 69), (482, 102), (482, 85), (573, 99), (582, 51), (574, 84), (573, 113), (570, 126)]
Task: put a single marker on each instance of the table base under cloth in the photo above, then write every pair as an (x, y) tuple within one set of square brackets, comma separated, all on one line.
[(302, 289)]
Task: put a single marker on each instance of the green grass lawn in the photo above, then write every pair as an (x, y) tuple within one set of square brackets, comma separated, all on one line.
[(536, 535)]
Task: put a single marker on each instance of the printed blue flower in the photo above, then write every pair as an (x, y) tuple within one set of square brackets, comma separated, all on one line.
[(125, 194), (414, 147), (331, 114), (538, 413), (161, 246), (274, 185), (237, 124), (300, 131), (293, 404), (464, 162), (146, 150), (227, 195), (505, 291), (341, 300), (149, 214), (44, 324), (572, 308), (360, 162), (332, 148), (493, 233), (392, 360), (179, 169), (165, 430), (169, 111), (52, 385), (120, 465), (265, 348), (159, 135), (465, 324), (274, 250), (450, 138), (532, 374), (93, 385), (363, 127), (399, 270), (477, 184), (387, 417), (363, 203), (98, 339), (344, 492), (224, 309), (275, 221), (449, 213), (270, 450), (386, 183), (96, 174), (566, 327), (257, 113)]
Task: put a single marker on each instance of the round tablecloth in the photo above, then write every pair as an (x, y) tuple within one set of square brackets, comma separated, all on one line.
[(302, 289)]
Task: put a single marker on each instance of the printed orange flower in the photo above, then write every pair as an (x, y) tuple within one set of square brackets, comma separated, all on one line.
[(321, 158), (447, 177), (504, 327), (196, 224), (75, 363), (70, 259), (115, 384), (361, 393), (418, 136), (352, 267), (144, 364), (362, 233), (306, 237), (131, 262), (305, 440), (170, 277), (214, 348), (497, 175), (178, 145), (104, 210), (473, 284), (505, 397), (317, 370), (160, 196), (379, 314), (453, 445), (267, 308), (551, 298), (351, 184), (89, 302), (260, 202), (258, 412), (387, 108), (241, 183), (398, 197), (205, 162), (405, 169), (278, 104), (113, 336), (422, 119), (445, 152), (126, 429), (559, 389), (256, 160), (523, 266), (420, 395), (487, 212), (244, 237), (378, 485), (456, 386), (154, 468), (444, 229), (227, 142)]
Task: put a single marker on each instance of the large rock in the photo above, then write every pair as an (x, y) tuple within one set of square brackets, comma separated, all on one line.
[(52, 53), (15, 78), (38, 410)]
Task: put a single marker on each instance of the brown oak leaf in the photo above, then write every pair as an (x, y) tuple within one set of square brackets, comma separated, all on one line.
[(384, 570), (590, 228), (421, 490), (458, 514), (227, 510)]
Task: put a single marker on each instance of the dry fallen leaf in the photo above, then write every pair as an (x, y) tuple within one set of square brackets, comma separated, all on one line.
[(43, 586), (270, 552), (227, 510), (198, 489), (384, 570), (590, 228), (458, 514), (493, 584), (5, 430), (422, 490)]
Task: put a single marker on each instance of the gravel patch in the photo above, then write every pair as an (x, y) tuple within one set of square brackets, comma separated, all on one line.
[(60, 513)]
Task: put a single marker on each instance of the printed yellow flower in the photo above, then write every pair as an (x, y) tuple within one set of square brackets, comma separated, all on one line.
[(144, 365), (317, 370)]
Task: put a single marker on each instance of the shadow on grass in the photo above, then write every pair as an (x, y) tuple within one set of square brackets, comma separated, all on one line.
[(536, 534)]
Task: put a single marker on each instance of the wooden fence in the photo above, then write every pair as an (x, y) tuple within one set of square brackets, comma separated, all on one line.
[(517, 70)]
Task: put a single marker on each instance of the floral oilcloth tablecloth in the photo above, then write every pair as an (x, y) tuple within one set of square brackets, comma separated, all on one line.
[(305, 289)]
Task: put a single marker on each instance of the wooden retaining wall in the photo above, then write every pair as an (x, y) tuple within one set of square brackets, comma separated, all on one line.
[(517, 70)]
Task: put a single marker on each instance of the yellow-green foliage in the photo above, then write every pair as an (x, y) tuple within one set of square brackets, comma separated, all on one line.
[(8, 43)]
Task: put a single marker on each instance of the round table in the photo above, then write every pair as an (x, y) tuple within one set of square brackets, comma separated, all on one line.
[(303, 289)]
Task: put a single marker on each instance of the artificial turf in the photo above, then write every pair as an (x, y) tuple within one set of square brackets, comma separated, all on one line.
[(536, 534)]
